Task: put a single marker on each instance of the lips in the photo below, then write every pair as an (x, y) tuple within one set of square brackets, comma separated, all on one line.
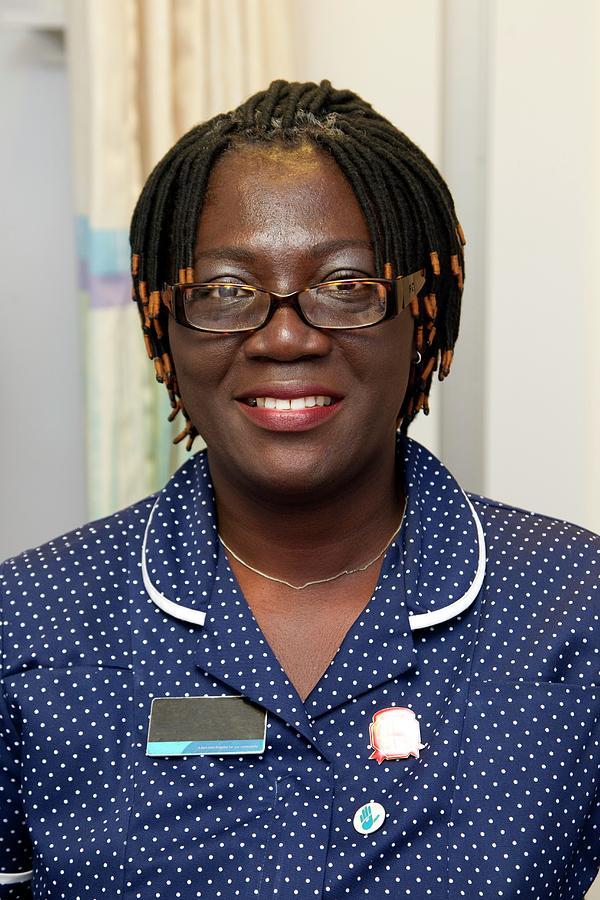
[(289, 407), (282, 403)]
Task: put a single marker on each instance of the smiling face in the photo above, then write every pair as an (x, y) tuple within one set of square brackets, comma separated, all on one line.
[(283, 219)]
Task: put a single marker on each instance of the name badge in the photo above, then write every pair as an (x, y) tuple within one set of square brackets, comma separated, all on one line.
[(205, 726)]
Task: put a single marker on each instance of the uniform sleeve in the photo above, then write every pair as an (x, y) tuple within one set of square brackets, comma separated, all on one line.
[(588, 861), (15, 845)]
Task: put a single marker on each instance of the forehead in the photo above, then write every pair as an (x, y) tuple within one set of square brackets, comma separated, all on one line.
[(279, 192)]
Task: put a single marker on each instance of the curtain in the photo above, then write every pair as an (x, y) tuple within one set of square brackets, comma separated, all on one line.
[(142, 72)]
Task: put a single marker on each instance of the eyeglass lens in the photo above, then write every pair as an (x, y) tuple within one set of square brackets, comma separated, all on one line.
[(233, 307)]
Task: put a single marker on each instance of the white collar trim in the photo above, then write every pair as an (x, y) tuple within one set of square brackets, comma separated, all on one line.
[(416, 620), (177, 610), (15, 877), (425, 620)]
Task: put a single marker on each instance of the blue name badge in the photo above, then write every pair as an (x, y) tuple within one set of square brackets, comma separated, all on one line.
[(205, 726)]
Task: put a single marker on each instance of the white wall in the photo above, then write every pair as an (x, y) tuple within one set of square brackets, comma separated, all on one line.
[(465, 102), (41, 452), (541, 286)]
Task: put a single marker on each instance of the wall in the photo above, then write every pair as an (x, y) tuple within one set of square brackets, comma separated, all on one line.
[(41, 454), (465, 151), (543, 235)]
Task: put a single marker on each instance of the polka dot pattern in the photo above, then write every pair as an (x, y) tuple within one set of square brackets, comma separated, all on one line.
[(501, 802)]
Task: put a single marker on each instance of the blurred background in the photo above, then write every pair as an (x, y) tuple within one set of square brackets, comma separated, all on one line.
[(503, 95)]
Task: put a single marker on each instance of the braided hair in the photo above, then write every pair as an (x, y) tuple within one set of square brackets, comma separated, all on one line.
[(406, 203)]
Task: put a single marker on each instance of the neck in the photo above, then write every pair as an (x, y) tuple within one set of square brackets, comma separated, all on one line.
[(316, 535)]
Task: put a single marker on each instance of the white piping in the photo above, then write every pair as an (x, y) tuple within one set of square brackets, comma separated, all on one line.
[(424, 620), (185, 613), (416, 620), (15, 877)]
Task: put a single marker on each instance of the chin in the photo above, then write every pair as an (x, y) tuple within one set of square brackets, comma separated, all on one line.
[(281, 471), (291, 470)]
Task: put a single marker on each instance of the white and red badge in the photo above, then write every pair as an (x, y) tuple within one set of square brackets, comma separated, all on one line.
[(394, 733)]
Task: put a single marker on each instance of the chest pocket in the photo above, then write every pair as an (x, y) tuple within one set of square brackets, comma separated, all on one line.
[(524, 784)]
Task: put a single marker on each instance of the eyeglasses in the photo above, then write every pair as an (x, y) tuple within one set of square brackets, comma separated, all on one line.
[(224, 307)]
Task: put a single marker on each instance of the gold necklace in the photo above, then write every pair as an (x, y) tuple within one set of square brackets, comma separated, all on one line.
[(301, 587)]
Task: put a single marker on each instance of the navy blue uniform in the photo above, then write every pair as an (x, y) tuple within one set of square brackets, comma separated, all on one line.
[(481, 623)]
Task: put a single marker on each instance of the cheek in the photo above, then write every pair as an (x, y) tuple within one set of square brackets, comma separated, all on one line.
[(386, 361), (202, 362)]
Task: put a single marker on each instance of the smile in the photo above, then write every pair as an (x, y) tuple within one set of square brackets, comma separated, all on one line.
[(292, 403), (291, 413)]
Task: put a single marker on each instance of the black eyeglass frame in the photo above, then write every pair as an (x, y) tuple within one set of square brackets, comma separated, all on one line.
[(399, 293)]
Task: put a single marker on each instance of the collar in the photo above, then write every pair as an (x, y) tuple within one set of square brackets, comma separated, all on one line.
[(441, 544)]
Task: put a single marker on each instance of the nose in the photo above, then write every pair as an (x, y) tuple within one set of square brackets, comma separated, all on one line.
[(286, 337)]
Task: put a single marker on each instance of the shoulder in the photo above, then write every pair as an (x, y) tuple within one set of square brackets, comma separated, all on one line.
[(522, 534), (68, 602), (112, 534), (85, 559), (540, 600)]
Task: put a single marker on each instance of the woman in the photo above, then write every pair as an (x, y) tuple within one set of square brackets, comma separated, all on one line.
[(310, 666)]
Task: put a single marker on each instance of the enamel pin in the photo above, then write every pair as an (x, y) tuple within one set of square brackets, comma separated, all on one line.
[(369, 818), (394, 733)]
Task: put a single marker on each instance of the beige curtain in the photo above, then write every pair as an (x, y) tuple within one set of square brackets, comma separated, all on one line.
[(142, 72)]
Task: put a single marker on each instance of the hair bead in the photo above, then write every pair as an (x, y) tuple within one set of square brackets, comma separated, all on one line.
[(158, 369), (149, 348), (186, 431), (427, 371), (176, 407), (167, 366), (419, 337), (154, 304)]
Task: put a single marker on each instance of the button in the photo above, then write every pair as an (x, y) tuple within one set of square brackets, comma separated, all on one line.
[(369, 818)]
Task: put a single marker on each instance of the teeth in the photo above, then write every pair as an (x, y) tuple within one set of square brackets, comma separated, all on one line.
[(294, 403)]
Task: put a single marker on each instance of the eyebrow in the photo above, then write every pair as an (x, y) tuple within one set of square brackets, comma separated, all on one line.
[(239, 254)]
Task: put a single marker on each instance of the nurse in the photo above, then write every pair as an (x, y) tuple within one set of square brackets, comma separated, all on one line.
[(311, 666)]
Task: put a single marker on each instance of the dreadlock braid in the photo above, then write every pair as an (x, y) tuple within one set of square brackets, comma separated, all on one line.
[(406, 203)]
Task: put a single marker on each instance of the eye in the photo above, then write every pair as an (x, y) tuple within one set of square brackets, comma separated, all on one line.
[(342, 288), (226, 291)]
